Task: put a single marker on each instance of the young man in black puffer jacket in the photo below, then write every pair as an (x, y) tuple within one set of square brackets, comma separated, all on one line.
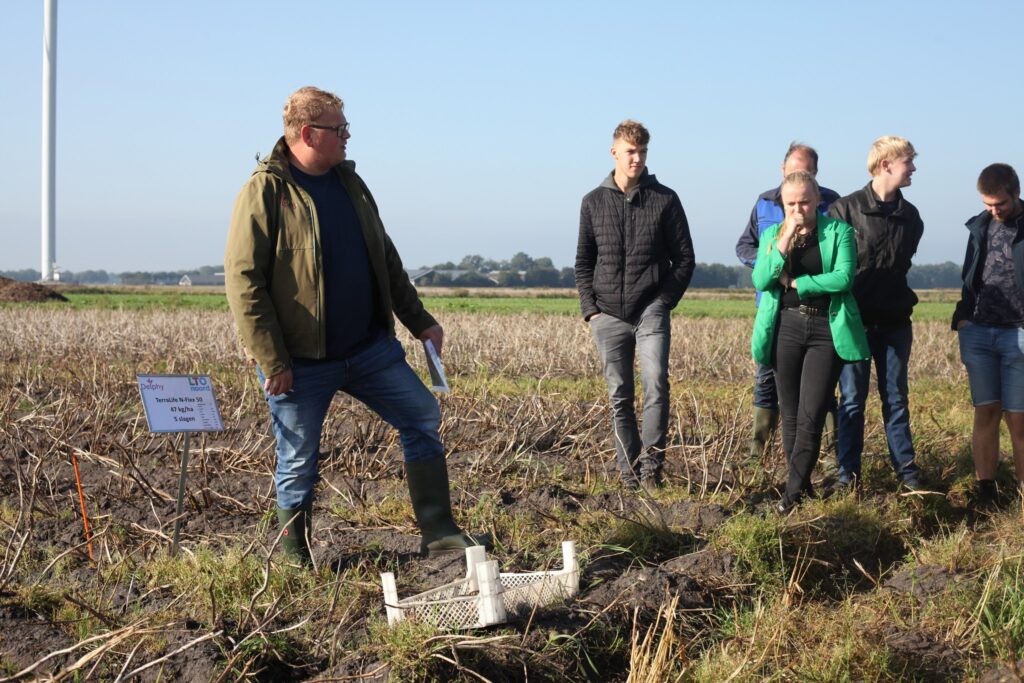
[(634, 261)]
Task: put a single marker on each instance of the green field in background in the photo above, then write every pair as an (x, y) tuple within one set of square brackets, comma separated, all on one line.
[(144, 301), (692, 308), (697, 304)]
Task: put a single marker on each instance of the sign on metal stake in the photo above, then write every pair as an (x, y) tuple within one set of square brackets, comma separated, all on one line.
[(180, 403)]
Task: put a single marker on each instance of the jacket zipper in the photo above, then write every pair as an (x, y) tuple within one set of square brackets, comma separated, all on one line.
[(626, 216), (311, 213)]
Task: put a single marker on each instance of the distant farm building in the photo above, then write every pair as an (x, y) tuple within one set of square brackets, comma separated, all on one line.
[(418, 274), (201, 280)]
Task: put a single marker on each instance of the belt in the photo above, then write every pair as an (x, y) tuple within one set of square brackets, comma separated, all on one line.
[(813, 311)]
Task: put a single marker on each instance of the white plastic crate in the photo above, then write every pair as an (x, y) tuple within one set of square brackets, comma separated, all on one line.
[(486, 596)]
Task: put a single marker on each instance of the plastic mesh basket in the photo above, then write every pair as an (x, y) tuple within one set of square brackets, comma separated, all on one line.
[(486, 596)]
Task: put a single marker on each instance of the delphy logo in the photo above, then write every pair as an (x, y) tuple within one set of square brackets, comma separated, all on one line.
[(152, 386)]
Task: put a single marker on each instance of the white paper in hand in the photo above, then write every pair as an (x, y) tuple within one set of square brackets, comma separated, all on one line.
[(438, 382)]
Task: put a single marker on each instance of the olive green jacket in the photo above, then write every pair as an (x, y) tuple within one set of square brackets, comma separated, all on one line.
[(839, 264), (273, 266)]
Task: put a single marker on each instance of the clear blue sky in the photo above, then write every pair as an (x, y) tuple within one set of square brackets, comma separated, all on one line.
[(479, 126)]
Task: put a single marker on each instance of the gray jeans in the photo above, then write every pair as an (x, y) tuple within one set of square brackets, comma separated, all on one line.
[(617, 343)]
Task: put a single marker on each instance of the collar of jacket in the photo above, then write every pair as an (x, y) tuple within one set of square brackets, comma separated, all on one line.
[(646, 180), (869, 202), (277, 162), (979, 224)]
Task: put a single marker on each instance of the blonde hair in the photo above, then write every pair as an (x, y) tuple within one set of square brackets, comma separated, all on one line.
[(803, 178), (632, 132), (305, 106), (888, 147)]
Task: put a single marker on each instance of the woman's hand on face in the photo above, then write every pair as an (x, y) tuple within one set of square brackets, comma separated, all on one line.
[(795, 222), (789, 228)]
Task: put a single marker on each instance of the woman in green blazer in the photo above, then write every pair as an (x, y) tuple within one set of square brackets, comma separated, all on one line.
[(807, 324)]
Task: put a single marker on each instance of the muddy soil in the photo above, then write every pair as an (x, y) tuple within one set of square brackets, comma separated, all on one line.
[(921, 582), (1012, 672), (130, 496), (928, 657), (16, 291), (131, 505)]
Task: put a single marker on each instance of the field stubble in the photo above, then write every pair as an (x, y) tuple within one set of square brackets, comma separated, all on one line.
[(699, 582)]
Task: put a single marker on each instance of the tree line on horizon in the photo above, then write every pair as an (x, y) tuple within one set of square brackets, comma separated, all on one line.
[(474, 270)]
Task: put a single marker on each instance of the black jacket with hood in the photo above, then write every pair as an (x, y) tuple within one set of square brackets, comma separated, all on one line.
[(632, 249)]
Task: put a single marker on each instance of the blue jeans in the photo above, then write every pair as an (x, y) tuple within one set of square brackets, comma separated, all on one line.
[(765, 395), (890, 351), (994, 358), (380, 378), (618, 342)]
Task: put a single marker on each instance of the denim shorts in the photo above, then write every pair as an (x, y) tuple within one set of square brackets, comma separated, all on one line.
[(994, 358)]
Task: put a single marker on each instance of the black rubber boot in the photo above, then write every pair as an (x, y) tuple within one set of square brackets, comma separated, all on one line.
[(766, 422), (296, 528), (432, 505)]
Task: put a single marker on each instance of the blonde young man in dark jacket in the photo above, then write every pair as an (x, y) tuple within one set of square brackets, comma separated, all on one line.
[(314, 283), (634, 260), (888, 229)]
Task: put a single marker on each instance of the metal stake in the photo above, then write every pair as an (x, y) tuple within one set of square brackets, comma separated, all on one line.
[(181, 493)]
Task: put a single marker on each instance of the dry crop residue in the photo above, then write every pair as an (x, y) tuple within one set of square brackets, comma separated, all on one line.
[(530, 458)]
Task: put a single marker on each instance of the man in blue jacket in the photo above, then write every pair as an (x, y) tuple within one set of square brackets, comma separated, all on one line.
[(766, 213)]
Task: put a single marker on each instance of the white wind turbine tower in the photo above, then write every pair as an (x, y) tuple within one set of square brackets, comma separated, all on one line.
[(49, 223)]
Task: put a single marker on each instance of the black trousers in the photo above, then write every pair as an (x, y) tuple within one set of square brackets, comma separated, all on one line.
[(806, 372)]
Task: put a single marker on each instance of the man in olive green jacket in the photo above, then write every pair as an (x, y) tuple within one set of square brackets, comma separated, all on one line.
[(314, 283)]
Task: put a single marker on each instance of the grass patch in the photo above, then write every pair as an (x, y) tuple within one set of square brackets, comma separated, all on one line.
[(144, 301), (756, 543), (1002, 613), (408, 647)]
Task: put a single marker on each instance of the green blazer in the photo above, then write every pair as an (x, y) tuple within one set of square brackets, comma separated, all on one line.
[(839, 264)]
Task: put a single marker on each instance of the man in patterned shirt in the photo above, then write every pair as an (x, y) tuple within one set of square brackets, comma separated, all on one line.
[(989, 320)]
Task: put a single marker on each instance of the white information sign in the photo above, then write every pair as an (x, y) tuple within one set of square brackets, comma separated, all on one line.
[(438, 381), (179, 403)]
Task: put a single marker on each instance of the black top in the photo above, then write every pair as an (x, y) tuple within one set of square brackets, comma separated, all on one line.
[(349, 294), (805, 260)]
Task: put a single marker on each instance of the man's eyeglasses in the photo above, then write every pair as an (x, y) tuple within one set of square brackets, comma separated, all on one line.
[(341, 130)]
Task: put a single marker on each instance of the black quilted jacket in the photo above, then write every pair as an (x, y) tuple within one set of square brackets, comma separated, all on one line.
[(632, 249)]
